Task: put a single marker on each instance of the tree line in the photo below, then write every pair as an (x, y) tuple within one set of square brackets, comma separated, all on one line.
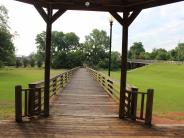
[(68, 52), (137, 51)]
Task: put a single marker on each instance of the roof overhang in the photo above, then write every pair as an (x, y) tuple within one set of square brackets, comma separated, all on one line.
[(100, 5)]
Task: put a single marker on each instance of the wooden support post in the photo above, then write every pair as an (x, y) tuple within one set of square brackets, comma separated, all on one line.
[(18, 103), (123, 65), (125, 22), (134, 104), (149, 107), (47, 63), (49, 19)]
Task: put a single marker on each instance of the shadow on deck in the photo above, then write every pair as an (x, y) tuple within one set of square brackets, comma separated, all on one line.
[(84, 109)]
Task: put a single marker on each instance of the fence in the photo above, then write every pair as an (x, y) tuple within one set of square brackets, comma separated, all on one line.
[(133, 110), (30, 102)]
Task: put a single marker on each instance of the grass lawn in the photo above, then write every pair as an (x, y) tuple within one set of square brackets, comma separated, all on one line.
[(9, 77), (166, 79)]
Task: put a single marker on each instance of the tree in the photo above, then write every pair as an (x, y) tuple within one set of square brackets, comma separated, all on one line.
[(63, 46), (147, 56), (40, 43), (25, 61), (180, 52), (71, 41), (95, 46), (7, 49), (3, 17), (173, 54), (32, 59), (136, 51), (18, 62), (115, 60), (160, 54)]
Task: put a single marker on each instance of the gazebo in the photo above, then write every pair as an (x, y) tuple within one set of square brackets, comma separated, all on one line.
[(129, 9)]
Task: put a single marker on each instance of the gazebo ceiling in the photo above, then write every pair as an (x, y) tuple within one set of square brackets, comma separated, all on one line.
[(100, 5)]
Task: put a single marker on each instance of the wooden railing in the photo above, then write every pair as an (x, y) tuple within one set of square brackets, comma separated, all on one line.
[(138, 105), (30, 102)]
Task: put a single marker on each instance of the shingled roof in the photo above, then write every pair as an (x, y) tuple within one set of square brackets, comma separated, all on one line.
[(100, 5)]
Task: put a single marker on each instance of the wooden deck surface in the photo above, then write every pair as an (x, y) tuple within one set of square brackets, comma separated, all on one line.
[(83, 109)]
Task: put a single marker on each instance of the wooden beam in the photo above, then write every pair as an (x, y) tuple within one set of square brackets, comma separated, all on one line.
[(41, 12), (133, 16), (57, 15), (47, 63), (95, 6), (117, 17), (151, 4), (123, 65)]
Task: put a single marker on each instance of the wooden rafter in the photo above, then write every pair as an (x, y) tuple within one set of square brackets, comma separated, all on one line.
[(57, 15), (130, 18), (41, 12), (117, 17)]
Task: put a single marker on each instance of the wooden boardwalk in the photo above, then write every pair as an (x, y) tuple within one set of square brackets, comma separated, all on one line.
[(83, 109)]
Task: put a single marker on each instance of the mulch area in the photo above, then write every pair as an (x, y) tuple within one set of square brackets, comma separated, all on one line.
[(169, 118)]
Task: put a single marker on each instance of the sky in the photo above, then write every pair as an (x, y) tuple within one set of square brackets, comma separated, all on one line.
[(160, 27)]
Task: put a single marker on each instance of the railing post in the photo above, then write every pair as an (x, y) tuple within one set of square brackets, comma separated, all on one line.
[(61, 79), (66, 77), (149, 106), (54, 85), (31, 100), (18, 103), (134, 103)]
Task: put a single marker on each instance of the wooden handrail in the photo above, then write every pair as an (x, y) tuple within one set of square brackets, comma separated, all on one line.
[(34, 95), (132, 95)]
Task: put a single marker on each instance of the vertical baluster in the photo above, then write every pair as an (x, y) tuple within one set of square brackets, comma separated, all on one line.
[(31, 106), (25, 103), (62, 81), (134, 103), (129, 102), (142, 106), (39, 100), (18, 103)]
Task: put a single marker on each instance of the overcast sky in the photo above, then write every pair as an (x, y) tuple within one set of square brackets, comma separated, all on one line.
[(160, 27)]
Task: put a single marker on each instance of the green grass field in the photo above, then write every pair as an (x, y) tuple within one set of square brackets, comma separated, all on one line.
[(166, 79), (9, 77)]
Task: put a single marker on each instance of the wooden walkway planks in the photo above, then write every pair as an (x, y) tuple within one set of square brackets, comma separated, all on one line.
[(83, 109), (84, 97)]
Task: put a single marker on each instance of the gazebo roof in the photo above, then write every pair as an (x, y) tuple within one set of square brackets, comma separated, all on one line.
[(100, 5)]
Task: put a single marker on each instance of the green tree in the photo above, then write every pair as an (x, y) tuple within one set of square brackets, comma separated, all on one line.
[(7, 49), (115, 60), (3, 17), (25, 61), (136, 51), (32, 59), (18, 62), (173, 54), (180, 52), (95, 46), (147, 56), (63, 46), (71, 41), (160, 54)]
